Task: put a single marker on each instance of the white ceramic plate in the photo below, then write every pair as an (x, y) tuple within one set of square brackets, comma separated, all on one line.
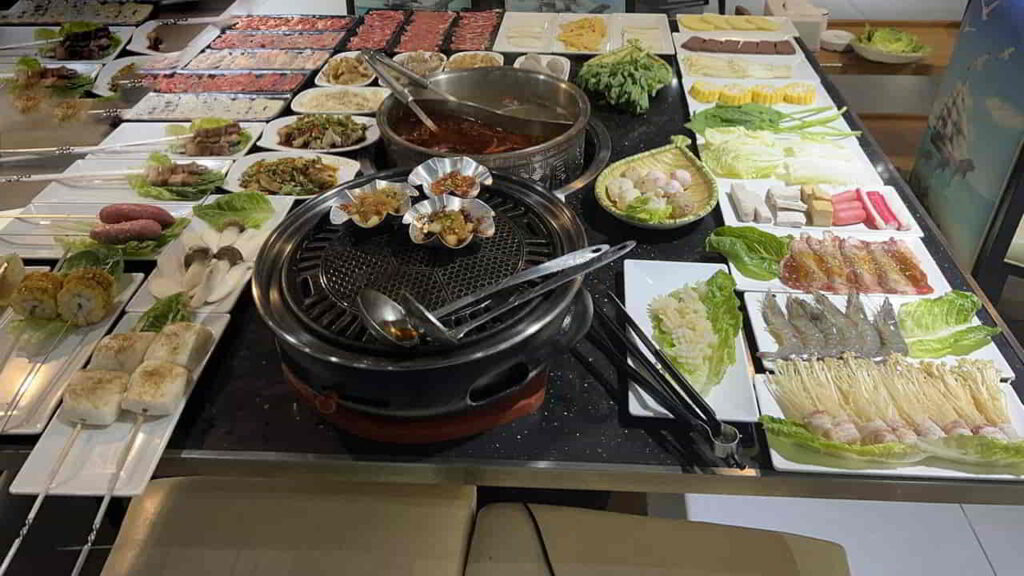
[(860, 230), (695, 106), (658, 23), (801, 70), (139, 44), (93, 458), (786, 29), (347, 168), (88, 69), (541, 25), (770, 407), (144, 298), (936, 278), (35, 238), (645, 280), (545, 58), (270, 139), (23, 34), (44, 388), (139, 131), (108, 191), (454, 58), (185, 107), (321, 77), (559, 47), (302, 104), (765, 342)]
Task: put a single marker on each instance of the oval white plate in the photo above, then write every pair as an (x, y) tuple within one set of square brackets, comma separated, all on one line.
[(301, 102), (321, 78), (458, 56), (269, 139), (347, 168), (102, 85)]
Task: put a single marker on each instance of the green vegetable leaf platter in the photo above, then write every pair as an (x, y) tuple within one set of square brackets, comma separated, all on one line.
[(889, 46), (702, 192)]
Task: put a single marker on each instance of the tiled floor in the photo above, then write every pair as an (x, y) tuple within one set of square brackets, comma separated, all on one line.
[(880, 538)]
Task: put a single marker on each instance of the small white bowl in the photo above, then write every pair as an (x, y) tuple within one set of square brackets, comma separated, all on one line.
[(457, 56), (321, 77)]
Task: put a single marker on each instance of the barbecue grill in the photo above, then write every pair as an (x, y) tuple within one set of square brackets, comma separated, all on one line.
[(310, 271)]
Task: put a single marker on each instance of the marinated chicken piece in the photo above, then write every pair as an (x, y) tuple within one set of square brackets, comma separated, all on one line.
[(36, 297), (214, 141), (86, 297), (175, 174)]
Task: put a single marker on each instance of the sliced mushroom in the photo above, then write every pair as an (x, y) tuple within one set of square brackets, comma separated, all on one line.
[(229, 253)]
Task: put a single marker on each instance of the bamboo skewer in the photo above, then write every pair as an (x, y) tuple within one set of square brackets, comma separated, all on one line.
[(23, 386), (59, 150), (122, 459), (103, 175), (13, 550), (29, 44)]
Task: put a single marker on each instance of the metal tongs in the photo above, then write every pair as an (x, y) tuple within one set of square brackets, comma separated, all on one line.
[(378, 62), (660, 379)]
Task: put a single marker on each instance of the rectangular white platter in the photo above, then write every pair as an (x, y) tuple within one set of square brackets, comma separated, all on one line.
[(93, 458), (22, 34), (109, 191), (43, 391), (139, 131), (186, 107), (801, 69), (645, 280), (140, 44), (695, 106), (786, 29), (765, 342), (770, 407), (622, 22), (28, 12), (542, 24), (860, 230), (144, 298), (35, 238), (936, 278), (559, 47), (88, 69)]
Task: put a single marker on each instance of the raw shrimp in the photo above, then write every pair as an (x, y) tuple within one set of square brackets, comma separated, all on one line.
[(846, 328), (781, 330), (889, 330), (871, 344), (828, 330), (812, 338)]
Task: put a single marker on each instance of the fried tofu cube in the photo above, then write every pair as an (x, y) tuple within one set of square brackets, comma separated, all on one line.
[(121, 352), (94, 397), (181, 343)]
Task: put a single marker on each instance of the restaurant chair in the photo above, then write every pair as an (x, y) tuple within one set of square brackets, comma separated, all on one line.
[(304, 527), (538, 540)]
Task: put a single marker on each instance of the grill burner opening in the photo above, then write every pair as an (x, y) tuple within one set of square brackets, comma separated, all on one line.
[(334, 262)]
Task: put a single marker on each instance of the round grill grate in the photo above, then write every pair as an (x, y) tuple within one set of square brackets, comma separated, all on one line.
[(334, 262)]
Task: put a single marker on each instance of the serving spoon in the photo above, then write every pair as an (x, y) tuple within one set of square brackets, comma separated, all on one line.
[(404, 323)]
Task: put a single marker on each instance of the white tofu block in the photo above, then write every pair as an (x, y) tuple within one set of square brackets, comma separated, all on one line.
[(181, 343), (790, 219), (155, 389), (781, 198), (762, 215), (94, 397), (121, 352), (743, 202)]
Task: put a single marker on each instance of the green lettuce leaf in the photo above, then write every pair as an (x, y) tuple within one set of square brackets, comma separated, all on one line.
[(933, 316), (891, 40), (100, 256), (723, 308), (133, 249), (208, 181), (28, 63), (958, 343), (251, 209), (639, 210), (978, 451), (755, 253), (173, 308), (786, 435)]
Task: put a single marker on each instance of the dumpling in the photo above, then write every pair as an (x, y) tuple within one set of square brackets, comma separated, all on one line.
[(181, 343), (155, 389), (123, 352), (94, 397)]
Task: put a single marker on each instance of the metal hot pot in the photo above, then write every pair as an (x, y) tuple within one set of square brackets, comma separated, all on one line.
[(512, 91), (309, 272)]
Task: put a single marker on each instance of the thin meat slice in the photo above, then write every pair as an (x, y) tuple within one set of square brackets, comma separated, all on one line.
[(891, 277), (802, 269), (834, 266), (859, 261), (907, 264)]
